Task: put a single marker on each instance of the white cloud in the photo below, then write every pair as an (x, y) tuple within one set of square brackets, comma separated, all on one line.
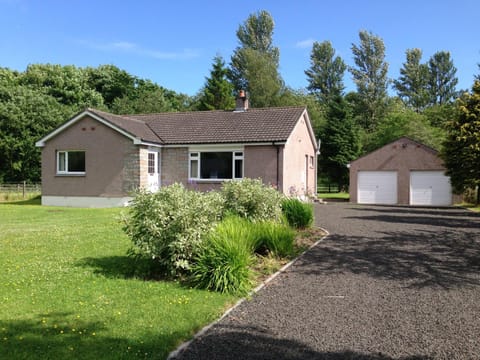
[(135, 49), (122, 45), (304, 44)]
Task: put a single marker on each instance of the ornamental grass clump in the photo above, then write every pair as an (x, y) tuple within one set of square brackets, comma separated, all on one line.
[(275, 237), (224, 264), (239, 230), (298, 214), (251, 199), (170, 225)]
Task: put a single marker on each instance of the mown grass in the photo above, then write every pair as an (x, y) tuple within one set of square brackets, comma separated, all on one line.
[(17, 196), (472, 207), (67, 290), (340, 195)]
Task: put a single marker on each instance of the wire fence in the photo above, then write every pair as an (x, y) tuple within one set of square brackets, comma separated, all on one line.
[(17, 191)]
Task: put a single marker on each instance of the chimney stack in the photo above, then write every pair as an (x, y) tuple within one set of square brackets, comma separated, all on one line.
[(242, 101)]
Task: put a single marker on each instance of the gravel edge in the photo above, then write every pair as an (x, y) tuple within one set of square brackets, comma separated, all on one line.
[(174, 353)]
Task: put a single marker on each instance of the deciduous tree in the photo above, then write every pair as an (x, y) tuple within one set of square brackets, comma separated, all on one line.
[(325, 75), (67, 84), (111, 82), (442, 78), (254, 64), (461, 151), (26, 115), (370, 77), (146, 98), (412, 84), (264, 83)]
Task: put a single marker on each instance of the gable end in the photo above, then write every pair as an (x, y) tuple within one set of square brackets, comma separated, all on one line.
[(80, 116)]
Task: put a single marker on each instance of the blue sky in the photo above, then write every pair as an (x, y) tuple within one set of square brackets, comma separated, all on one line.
[(173, 42)]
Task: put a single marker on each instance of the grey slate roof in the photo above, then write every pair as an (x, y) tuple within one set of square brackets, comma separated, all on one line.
[(208, 127)]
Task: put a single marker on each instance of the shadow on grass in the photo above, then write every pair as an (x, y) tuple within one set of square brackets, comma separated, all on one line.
[(58, 336), (125, 267), (236, 342), (37, 200)]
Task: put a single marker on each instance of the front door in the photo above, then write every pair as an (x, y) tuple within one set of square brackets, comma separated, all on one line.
[(153, 183)]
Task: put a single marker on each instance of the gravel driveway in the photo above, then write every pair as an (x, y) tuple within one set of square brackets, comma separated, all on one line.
[(388, 283)]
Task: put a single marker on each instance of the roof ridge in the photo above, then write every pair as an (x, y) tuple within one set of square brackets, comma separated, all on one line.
[(428, 147), (126, 117), (177, 112), (135, 116)]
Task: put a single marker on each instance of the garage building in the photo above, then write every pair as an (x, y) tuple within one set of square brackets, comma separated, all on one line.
[(403, 172)]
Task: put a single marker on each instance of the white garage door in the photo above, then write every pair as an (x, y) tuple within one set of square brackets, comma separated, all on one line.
[(430, 188), (377, 187)]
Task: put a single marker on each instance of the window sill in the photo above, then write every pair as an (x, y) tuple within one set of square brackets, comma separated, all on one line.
[(71, 175), (206, 181)]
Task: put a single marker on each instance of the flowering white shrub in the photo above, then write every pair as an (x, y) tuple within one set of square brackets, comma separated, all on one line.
[(169, 225), (251, 199)]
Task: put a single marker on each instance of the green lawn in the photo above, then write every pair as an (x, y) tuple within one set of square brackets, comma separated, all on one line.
[(471, 207), (340, 195), (66, 290)]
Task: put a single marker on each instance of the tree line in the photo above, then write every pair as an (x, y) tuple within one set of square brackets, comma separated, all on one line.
[(34, 102)]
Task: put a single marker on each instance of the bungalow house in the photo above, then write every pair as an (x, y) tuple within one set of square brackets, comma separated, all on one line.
[(96, 159)]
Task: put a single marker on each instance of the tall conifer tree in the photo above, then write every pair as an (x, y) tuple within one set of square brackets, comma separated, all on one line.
[(217, 94)]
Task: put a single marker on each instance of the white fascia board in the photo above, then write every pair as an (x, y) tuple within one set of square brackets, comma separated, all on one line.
[(310, 129), (41, 142), (138, 141)]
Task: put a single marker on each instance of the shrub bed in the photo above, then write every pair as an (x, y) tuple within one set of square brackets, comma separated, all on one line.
[(186, 232)]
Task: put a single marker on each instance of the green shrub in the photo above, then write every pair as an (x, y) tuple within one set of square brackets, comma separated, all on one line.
[(275, 237), (298, 214), (169, 225), (224, 262), (251, 199)]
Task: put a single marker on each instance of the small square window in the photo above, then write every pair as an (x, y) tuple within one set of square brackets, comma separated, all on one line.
[(71, 162)]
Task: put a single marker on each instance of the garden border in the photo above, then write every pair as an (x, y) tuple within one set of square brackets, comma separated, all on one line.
[(174, 353)]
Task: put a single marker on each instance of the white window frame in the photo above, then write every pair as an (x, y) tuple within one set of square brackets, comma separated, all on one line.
[(195, 155), (66, 172), (155, 162)]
